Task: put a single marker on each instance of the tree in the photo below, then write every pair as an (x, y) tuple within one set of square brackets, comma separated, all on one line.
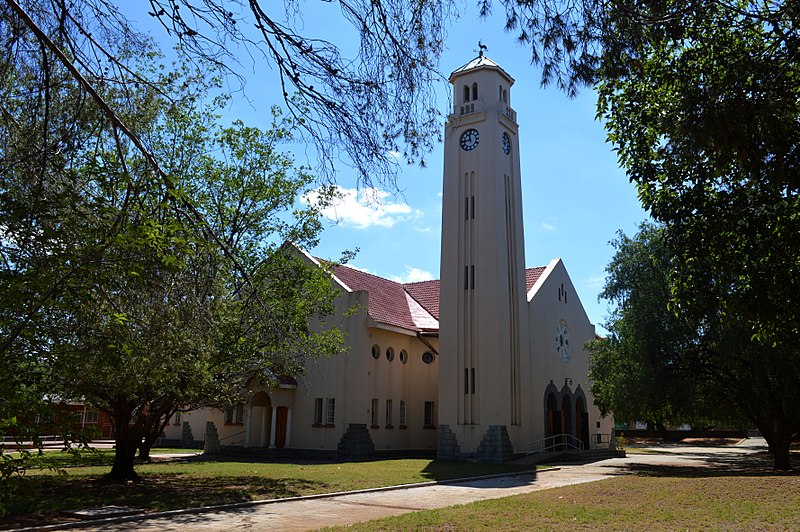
[(670, 362), (170, 323), (146, 280), (645, 370), (703, 109)]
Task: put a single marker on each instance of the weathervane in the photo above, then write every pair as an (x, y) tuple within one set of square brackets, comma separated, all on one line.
[(481, 48)]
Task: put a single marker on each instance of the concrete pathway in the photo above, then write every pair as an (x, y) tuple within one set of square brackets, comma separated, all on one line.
[(343, 509)]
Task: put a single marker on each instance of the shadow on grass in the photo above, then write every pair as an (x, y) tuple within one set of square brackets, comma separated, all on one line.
[(714, 465), (448, 470), (46, 496)]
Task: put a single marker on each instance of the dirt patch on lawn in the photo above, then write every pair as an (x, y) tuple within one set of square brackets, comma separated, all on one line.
[(712, 442)]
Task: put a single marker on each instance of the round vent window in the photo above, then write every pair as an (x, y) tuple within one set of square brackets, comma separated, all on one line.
[(376, 351), (389, 354), (428, 357), (403, 356)]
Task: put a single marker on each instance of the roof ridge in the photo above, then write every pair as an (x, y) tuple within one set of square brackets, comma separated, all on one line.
[(420, 282)]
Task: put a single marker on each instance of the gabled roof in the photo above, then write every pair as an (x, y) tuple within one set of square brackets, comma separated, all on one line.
[(410, 306), (480, 62), (427, 294)]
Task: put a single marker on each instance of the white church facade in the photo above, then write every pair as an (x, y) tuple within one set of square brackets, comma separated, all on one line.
[(485, 363)]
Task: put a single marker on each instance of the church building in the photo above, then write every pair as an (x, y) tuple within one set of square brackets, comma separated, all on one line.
[(485, 363)]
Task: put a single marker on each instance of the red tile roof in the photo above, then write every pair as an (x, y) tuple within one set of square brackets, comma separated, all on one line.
[(412, 306), (532, 275), (427, 294)]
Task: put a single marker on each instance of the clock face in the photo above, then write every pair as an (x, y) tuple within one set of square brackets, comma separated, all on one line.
[(469, 140), (506, 143), (563, 345)]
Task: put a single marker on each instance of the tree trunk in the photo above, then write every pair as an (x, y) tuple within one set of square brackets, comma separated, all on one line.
[(126, 440), (779, 440), (662, 430), (150, 437), (780, 450)]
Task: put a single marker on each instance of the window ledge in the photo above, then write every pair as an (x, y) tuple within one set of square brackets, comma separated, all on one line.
[(374, 426), (389, 427), (403, 427), (429, 427), (329, 425)]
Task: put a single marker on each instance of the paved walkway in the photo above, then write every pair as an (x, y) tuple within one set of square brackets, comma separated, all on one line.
[(344, 509)]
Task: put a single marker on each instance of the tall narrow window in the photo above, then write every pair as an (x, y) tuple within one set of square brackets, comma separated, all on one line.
[(429, 421), (466, 94), (474, 91), (318, 411), (402, 413), (388, 413), (374, 412), (330, 417), (238, 414)]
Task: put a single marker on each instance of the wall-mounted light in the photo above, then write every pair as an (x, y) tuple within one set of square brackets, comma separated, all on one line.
[(567, 382)]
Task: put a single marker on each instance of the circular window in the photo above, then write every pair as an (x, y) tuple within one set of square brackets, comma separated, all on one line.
[(563, 345), (403, 356), (389, 354), (376, 351), (427, 357)]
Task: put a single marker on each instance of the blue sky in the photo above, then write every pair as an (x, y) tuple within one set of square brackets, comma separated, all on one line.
[(575, 197)]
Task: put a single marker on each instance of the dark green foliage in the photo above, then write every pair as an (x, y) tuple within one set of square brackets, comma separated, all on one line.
[(669, 361), (146, 282)]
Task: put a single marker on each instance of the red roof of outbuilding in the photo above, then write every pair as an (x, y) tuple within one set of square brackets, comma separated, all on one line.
[(412, 306)]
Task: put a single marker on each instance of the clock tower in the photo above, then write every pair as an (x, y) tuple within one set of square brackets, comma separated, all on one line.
[(483, 308)]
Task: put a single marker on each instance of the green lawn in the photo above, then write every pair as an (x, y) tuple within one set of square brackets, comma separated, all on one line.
[(172, 485), (626, 503), (100, 457)]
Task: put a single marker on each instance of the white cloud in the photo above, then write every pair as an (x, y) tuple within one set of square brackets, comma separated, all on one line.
[(547, 227), (364, 208), (596, 282), (412, 275), (359, 268)]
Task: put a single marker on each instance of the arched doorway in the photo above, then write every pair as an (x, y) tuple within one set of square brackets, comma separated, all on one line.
[(566, 416), (552, 419), (260, 420), (582, 422)]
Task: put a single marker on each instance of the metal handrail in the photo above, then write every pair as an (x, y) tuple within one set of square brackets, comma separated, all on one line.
[(557, 442), (230, 436)]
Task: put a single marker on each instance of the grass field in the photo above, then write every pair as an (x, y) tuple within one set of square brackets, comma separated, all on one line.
[(99, 457), (740, 494), (184, 484), (626, 503)]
